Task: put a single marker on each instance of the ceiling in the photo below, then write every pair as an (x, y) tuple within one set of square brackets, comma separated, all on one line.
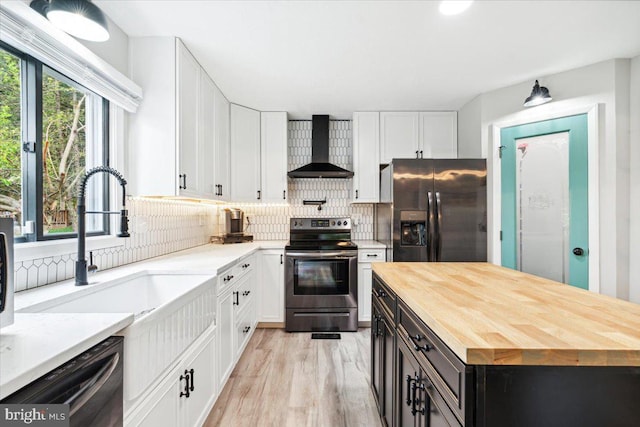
[(336, 57)]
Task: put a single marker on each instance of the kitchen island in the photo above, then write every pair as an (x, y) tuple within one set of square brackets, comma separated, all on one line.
[(480, 345)]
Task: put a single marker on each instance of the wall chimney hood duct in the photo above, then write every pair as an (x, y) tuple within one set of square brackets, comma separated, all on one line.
[(320, 166)]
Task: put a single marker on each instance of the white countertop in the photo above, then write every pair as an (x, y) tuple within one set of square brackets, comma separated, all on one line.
[(369, 244), (207, 259), (40, 342)]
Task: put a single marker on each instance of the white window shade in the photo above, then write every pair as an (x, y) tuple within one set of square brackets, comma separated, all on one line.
[(26, 30)]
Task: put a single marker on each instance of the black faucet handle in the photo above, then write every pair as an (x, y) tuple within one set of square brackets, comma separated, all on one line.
[(124, 224), (92, 268)]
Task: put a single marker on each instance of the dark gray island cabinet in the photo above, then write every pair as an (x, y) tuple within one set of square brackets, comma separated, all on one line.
[(446, 350)]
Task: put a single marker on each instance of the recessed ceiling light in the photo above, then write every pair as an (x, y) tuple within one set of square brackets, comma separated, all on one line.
[(454, 7)]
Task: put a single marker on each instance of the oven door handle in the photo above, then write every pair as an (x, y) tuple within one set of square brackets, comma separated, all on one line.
[(92, 386), (336, 254)]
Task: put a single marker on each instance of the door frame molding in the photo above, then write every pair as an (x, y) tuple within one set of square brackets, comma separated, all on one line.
[(494, 180)]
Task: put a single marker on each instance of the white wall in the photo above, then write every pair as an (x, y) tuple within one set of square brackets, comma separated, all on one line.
[(115, 50), (634, 181), (470, 129), (605, 83)]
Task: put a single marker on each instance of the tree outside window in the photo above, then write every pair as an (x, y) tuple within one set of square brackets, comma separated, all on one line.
[(72, 140)]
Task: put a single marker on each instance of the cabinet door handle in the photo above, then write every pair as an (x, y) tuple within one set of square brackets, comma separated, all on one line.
[(421, 155), (237, 295), (259, 194), (192, 376), (356, 194), (221, 189), (182, 177), (417, 154), (409, 380), (284, 194), (414, 388), (185, 377)]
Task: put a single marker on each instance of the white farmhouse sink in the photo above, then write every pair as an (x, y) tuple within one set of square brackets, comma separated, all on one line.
[(171, 310)]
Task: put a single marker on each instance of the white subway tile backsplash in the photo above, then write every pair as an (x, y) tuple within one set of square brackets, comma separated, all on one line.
[(157, 227)]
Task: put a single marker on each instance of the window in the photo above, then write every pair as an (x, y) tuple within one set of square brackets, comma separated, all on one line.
[(51, 131)]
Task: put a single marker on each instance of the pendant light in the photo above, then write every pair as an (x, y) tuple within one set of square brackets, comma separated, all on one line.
[(79, 18), (539, 95)]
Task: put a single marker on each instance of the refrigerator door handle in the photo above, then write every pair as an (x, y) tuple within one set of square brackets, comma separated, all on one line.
[(430, 227), (438, 227)]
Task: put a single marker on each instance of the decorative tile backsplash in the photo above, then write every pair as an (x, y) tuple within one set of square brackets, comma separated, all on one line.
[(271, 222), (160, 226), (157, 227)]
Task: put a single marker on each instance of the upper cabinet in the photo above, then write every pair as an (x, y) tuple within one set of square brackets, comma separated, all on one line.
[(274, 156), (177, 138), (439, 135), (399, 135), (245, 154), (418, 135), (366, 159), (221, 166)]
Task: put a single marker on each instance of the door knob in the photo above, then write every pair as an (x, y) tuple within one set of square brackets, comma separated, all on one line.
[(578, 251)]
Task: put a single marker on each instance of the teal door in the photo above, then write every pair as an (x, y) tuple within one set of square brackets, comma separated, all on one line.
[(545, 218)]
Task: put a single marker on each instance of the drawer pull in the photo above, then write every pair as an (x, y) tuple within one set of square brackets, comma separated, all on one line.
[(245, 293), (246, 329), (372, 255), (226, 279), (417, 347)]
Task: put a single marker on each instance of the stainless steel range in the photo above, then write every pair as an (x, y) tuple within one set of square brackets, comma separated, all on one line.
[(321, 278)]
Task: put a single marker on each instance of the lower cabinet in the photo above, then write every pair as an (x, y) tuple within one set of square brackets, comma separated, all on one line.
[(365, 258), (418, 403), (237, 315), (271, 286), (187, 393), (382, 357), (226, 332)]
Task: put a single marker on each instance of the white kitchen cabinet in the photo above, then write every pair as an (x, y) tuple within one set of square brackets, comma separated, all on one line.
[(271, 285), (418, 135), (206, 137), (168, 404), (221, 170), (366, 157), (273, 148), (365, 275), (439, 135), (236, 287), (203, 389), (245, 154), (226, 346), (172, 136), (399, 135)]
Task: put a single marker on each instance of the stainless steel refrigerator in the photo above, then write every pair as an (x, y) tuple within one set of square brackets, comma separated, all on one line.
[(433, 210)]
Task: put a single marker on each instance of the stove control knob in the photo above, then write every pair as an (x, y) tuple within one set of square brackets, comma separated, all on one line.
[(333, 223), (339, 222), (345, 222), (295, 223)]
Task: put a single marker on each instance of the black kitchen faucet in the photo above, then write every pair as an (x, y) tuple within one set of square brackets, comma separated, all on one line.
[(81, 263)]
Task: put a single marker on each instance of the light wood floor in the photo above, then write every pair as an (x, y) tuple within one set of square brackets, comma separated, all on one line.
[(288, 379)]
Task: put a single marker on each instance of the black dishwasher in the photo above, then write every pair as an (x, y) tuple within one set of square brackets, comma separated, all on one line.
[(91, 384)]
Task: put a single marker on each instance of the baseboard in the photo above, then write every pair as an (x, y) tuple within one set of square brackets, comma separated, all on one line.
[(271, 325)]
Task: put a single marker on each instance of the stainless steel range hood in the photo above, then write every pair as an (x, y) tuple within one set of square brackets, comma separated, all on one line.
[(320, 166)]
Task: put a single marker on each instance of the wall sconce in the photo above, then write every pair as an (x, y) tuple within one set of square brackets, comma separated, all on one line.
[(79, 18), (539, 95)]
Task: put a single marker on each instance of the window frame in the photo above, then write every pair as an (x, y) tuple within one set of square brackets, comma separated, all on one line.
[(31, 92)]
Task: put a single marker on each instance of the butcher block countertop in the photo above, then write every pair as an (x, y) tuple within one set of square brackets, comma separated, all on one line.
[(491, 315)]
